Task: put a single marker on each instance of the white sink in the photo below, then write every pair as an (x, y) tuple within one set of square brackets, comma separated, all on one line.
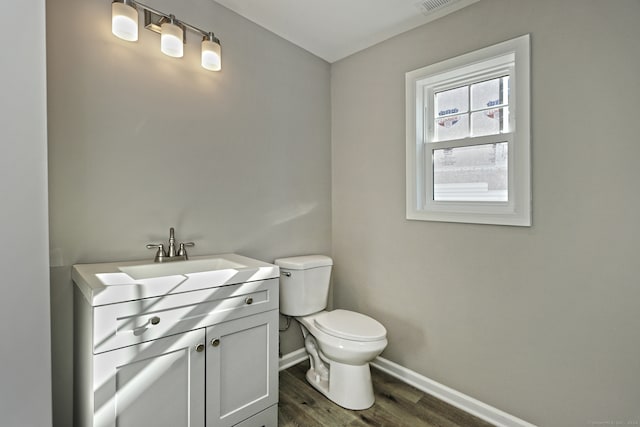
[(148, 271), (108, 283)]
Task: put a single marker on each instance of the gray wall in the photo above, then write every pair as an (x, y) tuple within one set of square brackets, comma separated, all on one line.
[(540, 322), (25, 366), (237, 161)]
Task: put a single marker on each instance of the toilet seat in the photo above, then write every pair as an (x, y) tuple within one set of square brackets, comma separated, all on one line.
[(350, 325)]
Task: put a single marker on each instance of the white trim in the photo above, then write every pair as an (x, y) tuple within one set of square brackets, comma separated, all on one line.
[(292, 359), (513, 56), (459, 400)]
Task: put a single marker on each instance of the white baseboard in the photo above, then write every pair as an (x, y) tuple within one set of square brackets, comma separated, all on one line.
[(290, 359), (459, 400)]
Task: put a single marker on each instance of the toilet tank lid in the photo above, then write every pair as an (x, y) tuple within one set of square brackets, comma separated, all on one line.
[(304, 262)]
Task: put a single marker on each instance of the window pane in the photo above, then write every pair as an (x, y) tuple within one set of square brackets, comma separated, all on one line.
[(490, 93), (489, 122), (451, 127), (475, 173), (452, 102)]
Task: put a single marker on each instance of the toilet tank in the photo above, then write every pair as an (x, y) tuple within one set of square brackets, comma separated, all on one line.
[(304, 284)]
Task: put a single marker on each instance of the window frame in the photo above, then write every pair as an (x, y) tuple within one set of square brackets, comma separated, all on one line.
[(507, 58)]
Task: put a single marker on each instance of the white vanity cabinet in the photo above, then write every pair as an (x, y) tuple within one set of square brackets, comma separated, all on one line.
[(202, 358)]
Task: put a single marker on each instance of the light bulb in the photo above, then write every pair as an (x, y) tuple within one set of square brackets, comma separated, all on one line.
[(211, 59), (171, 40), (124, 21)]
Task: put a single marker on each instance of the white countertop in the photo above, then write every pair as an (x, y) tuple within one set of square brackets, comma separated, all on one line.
[(106, 283)]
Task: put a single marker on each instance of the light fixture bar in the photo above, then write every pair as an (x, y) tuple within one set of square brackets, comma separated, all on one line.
[(154, 20), (152, 17), (196, 29)]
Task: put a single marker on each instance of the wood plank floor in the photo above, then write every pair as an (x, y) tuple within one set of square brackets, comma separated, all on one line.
[(397, 405)]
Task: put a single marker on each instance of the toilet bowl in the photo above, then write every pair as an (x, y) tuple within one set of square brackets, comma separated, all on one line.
[(340, 343), (349, 378)]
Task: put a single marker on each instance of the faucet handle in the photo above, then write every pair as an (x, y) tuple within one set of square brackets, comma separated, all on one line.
[(182, 251), (160, 254)]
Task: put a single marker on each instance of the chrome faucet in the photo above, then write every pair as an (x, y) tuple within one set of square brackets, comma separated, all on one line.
[(172, 243), (171, 254)]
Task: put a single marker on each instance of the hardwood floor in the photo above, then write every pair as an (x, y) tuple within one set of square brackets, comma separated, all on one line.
[(397, 405)]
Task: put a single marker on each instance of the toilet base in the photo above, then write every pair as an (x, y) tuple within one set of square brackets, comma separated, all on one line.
[(348, 386)]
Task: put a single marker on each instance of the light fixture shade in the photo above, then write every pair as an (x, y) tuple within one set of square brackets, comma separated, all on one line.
[(171, 40), (211, 58), (124, 20)]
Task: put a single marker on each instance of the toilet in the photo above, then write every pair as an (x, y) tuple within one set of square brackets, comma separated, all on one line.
[(340, 343)]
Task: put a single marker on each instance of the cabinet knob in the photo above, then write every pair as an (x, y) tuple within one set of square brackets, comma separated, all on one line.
[(200, 348), (249, 300), (215, 342), (155, 320)]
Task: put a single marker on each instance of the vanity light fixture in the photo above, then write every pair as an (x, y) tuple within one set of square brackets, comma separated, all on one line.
[(124, 25)]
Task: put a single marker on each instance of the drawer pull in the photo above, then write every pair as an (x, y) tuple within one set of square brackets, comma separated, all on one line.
[(200, 348), (155, 320), (248, 301), (215, 342)]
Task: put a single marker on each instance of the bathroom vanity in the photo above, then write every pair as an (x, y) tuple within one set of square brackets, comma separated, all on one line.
[(188, 343)]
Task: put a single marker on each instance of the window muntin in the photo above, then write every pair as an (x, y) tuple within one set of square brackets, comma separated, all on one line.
[(475, 109), (466, 161)]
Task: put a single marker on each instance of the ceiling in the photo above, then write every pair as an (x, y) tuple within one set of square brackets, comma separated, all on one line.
[(334, 29)]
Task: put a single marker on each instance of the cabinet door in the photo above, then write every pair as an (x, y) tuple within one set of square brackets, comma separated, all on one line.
[(242, 368), (159, 383)]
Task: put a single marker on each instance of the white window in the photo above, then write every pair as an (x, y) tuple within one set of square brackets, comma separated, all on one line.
[(468, 137)]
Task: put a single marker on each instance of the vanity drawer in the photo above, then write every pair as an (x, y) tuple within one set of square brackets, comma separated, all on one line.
[(133, 322)]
